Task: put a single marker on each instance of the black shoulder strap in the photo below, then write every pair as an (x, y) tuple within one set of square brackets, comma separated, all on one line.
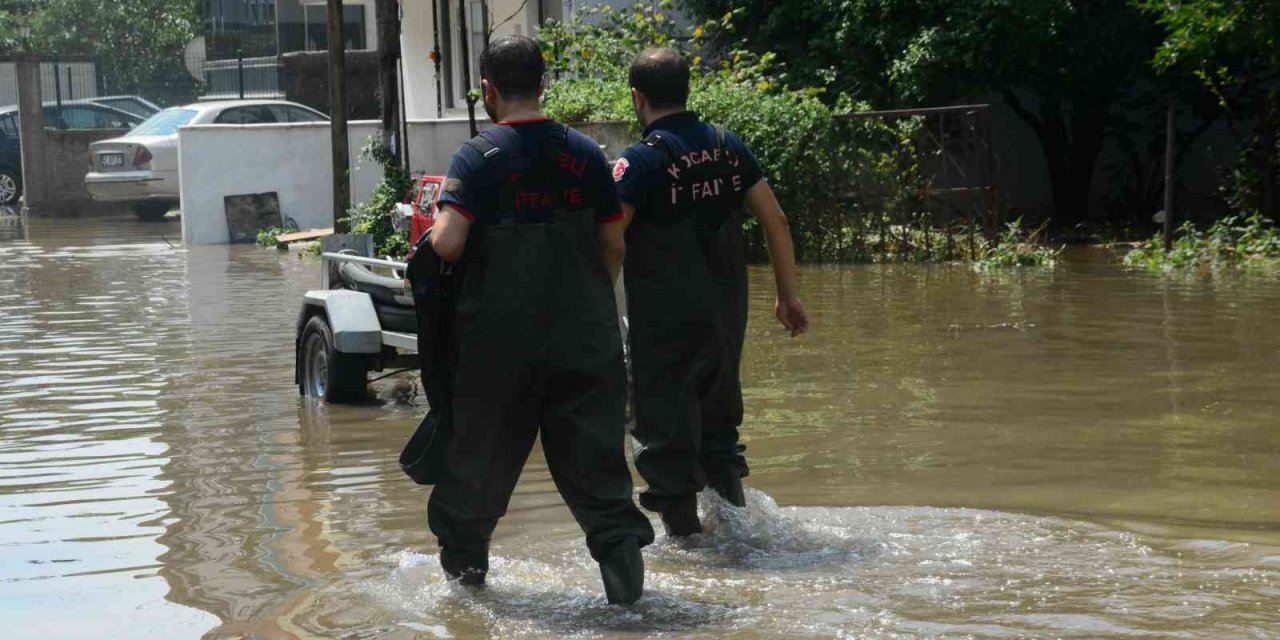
[(499, 164), (660, 143), (486, 148), (559, 134), (555, 143)]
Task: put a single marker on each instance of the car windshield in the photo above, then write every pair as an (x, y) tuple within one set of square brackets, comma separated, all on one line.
[(165, 123)]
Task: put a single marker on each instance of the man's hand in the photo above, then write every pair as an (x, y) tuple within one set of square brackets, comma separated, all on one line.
[(762, 204), (792, 315)]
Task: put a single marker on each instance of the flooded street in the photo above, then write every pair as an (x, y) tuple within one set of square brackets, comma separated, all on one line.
[(1077, 453)]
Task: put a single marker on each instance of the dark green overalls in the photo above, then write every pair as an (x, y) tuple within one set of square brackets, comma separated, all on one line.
[(538, 351), (687, 300)]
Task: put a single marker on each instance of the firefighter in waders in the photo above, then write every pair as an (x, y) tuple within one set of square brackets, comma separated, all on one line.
[(683, 189), (532, 216)]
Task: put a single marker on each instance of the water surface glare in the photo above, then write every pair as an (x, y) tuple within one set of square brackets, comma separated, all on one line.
[(1078, 453)]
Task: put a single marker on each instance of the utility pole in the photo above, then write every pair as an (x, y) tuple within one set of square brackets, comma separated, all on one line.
[(1169, 161), (338, 116), (436, 57), (472, 96), (388, 15)]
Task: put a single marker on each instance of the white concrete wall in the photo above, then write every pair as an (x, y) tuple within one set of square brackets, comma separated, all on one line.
[(292, 160), (432, 143), (289, 159)]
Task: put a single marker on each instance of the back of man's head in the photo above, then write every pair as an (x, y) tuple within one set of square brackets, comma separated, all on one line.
[(662, 75), (514, 66)]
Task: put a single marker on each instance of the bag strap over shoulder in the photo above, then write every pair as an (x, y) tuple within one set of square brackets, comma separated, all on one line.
[(499, 166), (662, 145)]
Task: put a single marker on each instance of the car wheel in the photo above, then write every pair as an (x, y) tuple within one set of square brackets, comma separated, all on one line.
[(151, 211), (324, 372), (10, 186)]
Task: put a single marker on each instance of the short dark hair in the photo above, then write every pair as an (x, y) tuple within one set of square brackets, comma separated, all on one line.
[(514, 66), (662, 75)]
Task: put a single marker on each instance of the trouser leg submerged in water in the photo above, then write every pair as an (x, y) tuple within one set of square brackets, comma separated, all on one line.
[(722, 454), (580, 414), (668, 427)]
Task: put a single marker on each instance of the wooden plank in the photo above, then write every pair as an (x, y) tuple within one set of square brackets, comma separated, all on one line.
[(285, 239)]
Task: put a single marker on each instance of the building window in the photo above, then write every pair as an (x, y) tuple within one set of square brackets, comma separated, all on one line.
[(315, 29)]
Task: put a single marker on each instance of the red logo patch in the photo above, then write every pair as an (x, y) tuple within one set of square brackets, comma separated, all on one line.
[(620, 169)]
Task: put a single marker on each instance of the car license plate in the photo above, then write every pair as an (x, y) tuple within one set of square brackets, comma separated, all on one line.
[(112, 159)]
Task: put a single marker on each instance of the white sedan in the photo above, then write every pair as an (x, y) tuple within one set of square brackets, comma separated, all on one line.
[(141, 168)]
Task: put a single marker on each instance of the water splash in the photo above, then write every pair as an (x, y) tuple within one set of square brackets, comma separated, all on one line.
[(555, 594), (761, 536)]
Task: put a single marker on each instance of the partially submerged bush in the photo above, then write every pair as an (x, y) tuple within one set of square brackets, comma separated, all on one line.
[(267, 238), (1019, 246), (1231, 241)]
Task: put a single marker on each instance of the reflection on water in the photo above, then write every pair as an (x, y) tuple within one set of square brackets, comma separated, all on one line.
[(12, 224), (1079, 453)]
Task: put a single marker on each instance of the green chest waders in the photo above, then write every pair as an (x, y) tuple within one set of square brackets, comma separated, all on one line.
[(537, 353), (683, 292)]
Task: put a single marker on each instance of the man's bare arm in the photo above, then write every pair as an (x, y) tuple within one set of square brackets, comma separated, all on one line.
[(763, 204), (614, 245), (449, 234)]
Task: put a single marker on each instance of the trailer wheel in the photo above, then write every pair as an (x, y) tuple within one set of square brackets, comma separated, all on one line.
[(326, 373)]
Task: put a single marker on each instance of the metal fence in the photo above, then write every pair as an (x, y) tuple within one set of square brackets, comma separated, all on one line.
[(238, 77), (917, 185), (62, 79)]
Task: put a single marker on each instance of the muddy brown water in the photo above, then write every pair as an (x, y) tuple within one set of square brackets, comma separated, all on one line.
[(1077, 453)]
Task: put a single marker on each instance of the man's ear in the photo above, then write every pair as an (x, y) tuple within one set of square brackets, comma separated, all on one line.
[(542, 86), (488, 91), (637, 98)]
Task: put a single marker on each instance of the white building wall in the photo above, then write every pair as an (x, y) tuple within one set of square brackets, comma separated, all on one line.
[(216, 161), (292, 160), (417, 39)]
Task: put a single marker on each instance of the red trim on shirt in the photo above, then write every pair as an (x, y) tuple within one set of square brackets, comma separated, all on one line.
[(529, 121), (461, 211), (613, 218)]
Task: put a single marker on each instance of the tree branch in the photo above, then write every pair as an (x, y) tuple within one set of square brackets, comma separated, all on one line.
[(1022, 111), (494, 26)]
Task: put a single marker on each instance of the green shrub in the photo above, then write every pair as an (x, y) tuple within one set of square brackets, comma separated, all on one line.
[(268, 237), (375, 215), (588, 100), (1018, 247), (1231, 241), (851, 187)]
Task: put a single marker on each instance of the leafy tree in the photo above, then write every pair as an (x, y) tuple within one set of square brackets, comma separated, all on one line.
[(1233, 47), (1061, 65), (138, 44)]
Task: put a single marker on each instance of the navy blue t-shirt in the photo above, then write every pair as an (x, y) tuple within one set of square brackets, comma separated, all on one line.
[(472, 184), (655, 183)]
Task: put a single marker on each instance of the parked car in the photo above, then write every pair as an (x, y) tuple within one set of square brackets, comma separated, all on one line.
[(76, 114), (137, 105), (141, 168)]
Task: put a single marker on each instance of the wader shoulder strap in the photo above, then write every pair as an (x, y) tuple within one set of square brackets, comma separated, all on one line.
[(659, 142), (662, 145), (499, 165), (558, 136), (545, 169)]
